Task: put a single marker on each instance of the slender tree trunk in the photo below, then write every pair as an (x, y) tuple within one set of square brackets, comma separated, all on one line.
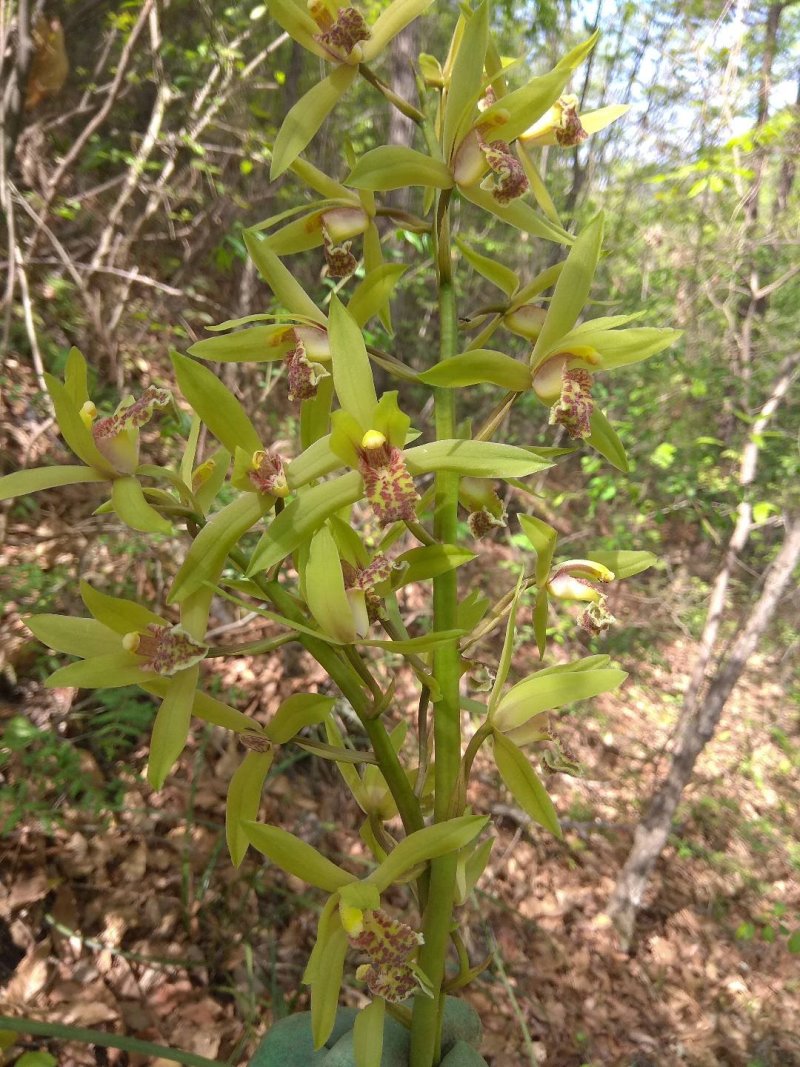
[(652, 833), (401, 77)]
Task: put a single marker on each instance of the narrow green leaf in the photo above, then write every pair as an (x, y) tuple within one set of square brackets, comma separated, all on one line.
[(306, 513), (74, 432), (301, 235), (604, 438), (518, 214), (352, 373), (326, 986), (20, 483), (108, 671), (244, 799), (257, 344), (415, 644), (130, 505), (424, 845), (216, 405), (395, 167), (373, 292), (390, 22), (296, 712), (324, 588), (76, 378), (118, 614), (476, 366), (171, 727), (74, 635), (429, 561), (306, 117), (481, 459), (523, 783), (540, 612), (466, 79), (543, 539), (504, 663), (288, 292), (209, 550), (572, 289), (368, 1034), (624, 563), (498, 274), (296, 856), (542, 692)]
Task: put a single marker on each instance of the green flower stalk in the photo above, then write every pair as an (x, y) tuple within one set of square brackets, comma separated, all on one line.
[(308, 534)]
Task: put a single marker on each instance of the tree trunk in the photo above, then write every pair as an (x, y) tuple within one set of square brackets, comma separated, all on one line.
[(652, 833), (401, 78)]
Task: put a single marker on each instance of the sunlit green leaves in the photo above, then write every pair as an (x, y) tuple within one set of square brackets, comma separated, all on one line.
[(20, 483), (352, 373), (244, 798), (216, 405), (523, 783), (395, 167), (305, 118), (479, 365), (572, 289), (479, 459), (543, 691), (296, 856)]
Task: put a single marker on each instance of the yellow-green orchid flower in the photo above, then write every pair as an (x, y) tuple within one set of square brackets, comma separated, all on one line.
[(352, 915), (342, 37), (124, 643), (108, 446), (563, 125)]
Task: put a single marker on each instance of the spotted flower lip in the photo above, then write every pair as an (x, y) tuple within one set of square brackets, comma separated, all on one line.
[(261, 472), (117, 435), (341, 37), (388, 484), (508, 179), (391, 946)]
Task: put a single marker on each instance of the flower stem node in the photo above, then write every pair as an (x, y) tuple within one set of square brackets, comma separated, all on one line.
[(167, 649)]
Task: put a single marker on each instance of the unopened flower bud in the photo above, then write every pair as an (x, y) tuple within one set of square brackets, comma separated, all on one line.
[(526, 321)]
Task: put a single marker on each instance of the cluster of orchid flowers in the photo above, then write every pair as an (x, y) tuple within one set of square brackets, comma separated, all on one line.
[(364, 449)]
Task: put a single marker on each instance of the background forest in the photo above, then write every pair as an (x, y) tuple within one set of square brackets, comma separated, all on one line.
[(135, 151)]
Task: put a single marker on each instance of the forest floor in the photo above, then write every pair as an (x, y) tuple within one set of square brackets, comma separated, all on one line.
[(120, 910)]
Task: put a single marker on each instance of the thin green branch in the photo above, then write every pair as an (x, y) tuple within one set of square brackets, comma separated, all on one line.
[(62, 1032)]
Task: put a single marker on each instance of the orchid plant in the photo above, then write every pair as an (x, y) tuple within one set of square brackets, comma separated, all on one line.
[(369, 503)]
